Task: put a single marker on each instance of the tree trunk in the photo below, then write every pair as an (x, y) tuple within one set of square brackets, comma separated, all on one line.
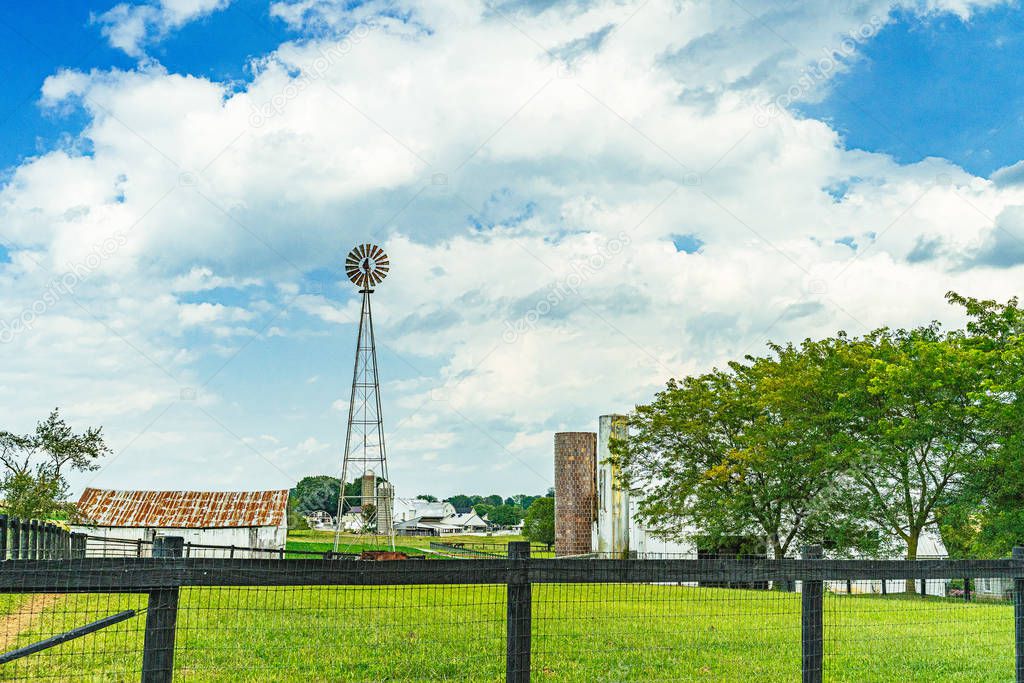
[(912, 540), (784, 585)]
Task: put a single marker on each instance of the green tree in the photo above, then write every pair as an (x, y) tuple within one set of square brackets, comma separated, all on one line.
[(315, 493), (986, 518), (752, 451), (539, 526), (504, 515), (461, 502), (427, 497), (34, 465), (916, 427), (296, 521)]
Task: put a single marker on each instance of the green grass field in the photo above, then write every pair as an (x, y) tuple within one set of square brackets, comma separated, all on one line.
[(323, 541), (589, 632)]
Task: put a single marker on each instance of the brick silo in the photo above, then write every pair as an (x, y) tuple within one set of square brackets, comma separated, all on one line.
[(575, 491)]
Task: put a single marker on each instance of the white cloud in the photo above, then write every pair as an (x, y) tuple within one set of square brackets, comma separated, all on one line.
[(130, 27), (496, 177), (206, 313), (200, 279)]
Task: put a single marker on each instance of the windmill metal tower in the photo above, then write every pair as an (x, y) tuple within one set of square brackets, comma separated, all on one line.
[(365, 453)]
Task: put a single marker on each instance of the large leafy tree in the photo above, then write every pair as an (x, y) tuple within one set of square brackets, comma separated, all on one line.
[(34, 466), (986, 518), (539, 525), (318, 493), (917, 426), (752, 451)]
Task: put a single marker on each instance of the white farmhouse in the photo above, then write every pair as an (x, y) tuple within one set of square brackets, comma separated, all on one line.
[(440, 519), (411, 508), (244, 519)]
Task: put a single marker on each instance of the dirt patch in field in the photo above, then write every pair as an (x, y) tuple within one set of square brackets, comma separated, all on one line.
[(11, 625)]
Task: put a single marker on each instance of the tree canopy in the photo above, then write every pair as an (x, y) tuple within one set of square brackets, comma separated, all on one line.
[(859, 443), (539, 526), (34, 466)]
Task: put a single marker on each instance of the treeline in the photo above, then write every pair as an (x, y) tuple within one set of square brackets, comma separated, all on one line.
[(500, 511), (861, 443), (321, 493)]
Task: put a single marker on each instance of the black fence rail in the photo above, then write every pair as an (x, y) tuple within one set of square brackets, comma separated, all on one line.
[(33, 539), (512, 618)]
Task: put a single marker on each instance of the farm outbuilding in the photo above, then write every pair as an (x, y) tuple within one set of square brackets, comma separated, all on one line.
[(244, 519)]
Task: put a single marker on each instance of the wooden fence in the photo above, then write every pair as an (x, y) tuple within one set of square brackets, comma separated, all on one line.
[(32, 539), (162, 578)]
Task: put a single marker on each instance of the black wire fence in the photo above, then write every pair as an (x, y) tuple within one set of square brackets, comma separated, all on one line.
[(517, 618)]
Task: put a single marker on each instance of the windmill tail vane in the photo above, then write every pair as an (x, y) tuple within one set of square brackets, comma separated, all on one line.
[(365, 458)]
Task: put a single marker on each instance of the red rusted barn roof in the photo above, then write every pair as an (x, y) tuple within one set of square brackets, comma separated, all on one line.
[(183, 509)]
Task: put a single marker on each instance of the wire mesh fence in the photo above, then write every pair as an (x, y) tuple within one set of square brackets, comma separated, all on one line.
[(916, 635), (713, 618)]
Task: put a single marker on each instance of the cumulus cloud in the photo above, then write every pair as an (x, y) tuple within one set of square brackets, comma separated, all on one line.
[(532, 172), (130, 27)]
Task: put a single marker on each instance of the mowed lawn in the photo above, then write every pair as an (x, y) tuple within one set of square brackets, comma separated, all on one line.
[(323, 541), (587, 632)]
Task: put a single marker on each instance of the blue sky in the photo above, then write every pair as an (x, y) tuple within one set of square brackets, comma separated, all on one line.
[(580, 201), (36, 41), (936, 86)]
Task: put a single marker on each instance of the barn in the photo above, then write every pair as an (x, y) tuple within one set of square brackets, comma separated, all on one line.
[(243, 519)]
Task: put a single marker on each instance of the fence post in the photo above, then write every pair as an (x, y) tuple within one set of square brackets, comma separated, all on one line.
[(811, 623), (967, 589), (158, 650), (78, 546), (1018, 614), (519, 613), (26, 540), (3, 537), (15, 524), (168, 546)]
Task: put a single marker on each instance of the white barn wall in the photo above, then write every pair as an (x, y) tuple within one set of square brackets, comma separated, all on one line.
[(267, 537)]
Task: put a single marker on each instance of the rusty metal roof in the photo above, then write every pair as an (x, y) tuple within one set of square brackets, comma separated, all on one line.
[(183, 509)]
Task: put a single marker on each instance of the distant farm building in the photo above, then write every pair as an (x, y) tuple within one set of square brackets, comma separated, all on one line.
[(244, 519), (320, 519), (422, 518)]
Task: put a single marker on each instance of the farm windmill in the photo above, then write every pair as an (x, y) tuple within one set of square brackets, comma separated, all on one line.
[(365, 454)]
